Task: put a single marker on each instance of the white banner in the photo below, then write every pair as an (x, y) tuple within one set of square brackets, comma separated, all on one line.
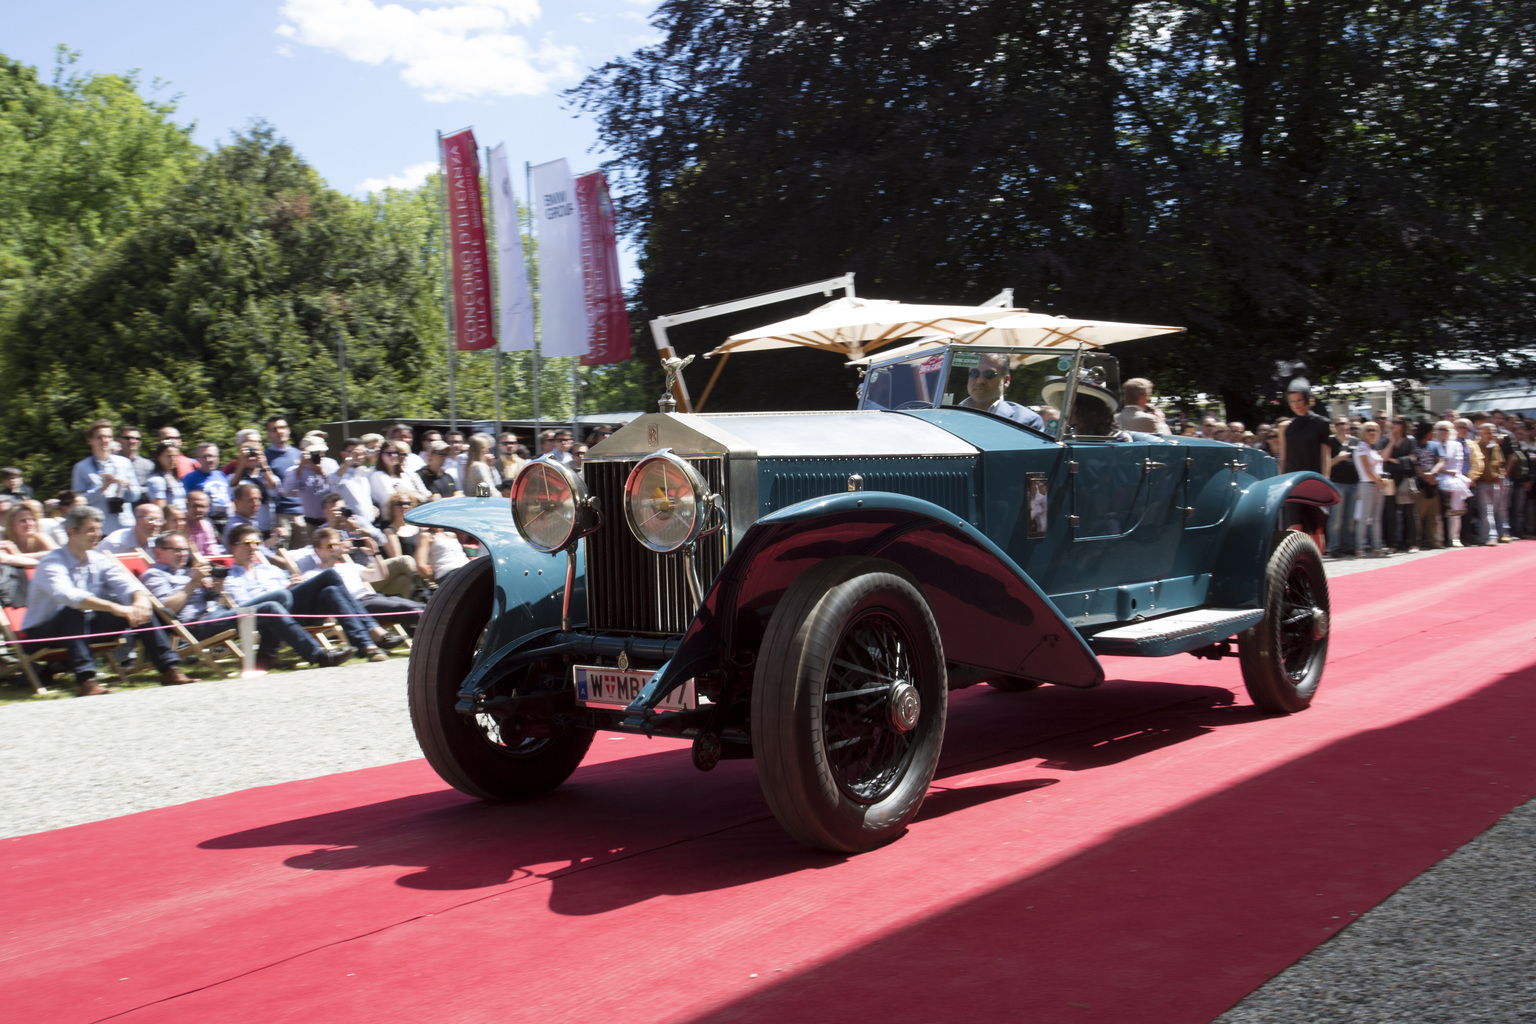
[(562, 289), (512, 297)]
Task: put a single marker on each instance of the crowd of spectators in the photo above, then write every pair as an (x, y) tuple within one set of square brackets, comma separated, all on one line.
[(1464, 478), (285, 529)]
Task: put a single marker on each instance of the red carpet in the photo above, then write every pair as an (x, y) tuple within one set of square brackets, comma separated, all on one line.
[(1149, 851)]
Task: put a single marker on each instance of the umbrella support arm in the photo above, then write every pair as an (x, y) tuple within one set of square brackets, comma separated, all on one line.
[(664, 344)]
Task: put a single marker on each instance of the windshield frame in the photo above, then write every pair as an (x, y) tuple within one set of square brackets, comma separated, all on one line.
[(949, 351)]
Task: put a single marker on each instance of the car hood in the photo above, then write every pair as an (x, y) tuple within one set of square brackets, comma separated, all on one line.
[(782, 435)]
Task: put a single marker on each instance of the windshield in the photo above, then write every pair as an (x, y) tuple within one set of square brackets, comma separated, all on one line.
[(1024, 385)]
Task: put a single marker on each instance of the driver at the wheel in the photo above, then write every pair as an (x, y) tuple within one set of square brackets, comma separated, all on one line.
[(989, 378)]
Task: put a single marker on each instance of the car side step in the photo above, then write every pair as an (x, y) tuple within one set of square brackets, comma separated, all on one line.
[(1175, 634)]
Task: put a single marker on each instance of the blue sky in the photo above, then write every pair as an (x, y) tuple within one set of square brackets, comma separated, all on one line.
[(358, 86)]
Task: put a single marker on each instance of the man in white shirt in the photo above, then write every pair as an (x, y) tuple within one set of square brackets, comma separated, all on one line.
[(352, 483), (332, 550), (309, 480), (403, 433), (108, 481), (86, 594), (148, 520)]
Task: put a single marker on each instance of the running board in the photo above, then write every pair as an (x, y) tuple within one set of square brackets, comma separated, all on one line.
[(1175, 634)]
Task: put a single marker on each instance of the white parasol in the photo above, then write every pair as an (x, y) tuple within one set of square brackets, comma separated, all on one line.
[(1033, 330), (854, 326)]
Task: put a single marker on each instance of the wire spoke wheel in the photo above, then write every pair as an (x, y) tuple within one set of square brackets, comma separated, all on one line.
[(484, 755), (1283, 654), (848, 705), (865, 750)]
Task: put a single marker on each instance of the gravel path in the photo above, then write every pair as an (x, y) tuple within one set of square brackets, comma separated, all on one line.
[(66, 762), (1457, 945)]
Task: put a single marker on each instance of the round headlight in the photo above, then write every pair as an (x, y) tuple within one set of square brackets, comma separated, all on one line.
[(666, 502), (549, 505)]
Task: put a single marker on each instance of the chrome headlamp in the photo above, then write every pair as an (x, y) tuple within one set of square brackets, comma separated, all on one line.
[(551, 507), (667, 503)]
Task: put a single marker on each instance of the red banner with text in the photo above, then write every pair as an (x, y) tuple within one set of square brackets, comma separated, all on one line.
[(607, 316), (474, 321)]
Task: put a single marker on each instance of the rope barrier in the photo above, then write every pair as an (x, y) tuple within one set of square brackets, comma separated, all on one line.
[(231, 617)]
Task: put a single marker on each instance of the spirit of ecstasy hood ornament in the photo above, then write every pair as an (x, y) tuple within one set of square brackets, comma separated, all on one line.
[(673, 366)]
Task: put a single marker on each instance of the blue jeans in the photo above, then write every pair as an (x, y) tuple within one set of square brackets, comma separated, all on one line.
[(1367, 516), (1341, 520), (78, 656), (326, 594), (273, 624)]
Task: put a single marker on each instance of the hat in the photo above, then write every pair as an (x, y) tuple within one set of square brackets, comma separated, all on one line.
[(1299, 386), (435, 446), (1054, 390), (314, 444)]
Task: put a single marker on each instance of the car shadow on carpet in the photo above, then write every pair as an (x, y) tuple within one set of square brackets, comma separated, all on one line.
[(619, 809)]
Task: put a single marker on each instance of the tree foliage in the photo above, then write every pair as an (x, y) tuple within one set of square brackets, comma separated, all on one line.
[(146, 281), (80, 160), (1332, 180)]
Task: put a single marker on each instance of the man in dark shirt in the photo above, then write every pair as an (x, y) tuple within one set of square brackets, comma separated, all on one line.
[(281, 457), (434, 471), (1345, 477), (1307, 448)]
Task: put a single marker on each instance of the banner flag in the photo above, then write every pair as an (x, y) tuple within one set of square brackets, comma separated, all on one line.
[(607, 317), (562, 297), (512, 295), (474, 326)]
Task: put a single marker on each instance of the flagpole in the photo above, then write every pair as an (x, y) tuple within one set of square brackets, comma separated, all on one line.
[(533, 297), (492, 255), (442, 191)]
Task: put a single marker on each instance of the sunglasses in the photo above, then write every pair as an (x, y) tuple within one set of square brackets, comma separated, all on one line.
[(985, 374)]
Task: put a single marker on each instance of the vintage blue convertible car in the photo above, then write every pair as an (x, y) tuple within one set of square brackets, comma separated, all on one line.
[(804, 588)]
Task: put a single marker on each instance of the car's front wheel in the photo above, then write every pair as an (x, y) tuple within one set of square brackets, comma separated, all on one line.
[(1282, 655), (848, 705), (481, 755)]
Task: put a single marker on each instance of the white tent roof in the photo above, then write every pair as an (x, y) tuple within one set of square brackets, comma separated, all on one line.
[(1036, 330)]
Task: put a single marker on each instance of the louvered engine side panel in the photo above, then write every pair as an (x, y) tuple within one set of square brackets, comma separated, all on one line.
[(950, 484), (630, 588)]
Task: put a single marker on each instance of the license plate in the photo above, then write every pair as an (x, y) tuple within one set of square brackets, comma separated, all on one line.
[(598, 687)]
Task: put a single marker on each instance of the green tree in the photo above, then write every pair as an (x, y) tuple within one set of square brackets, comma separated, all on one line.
[(222, 305), (80, 161), (1332, 180)]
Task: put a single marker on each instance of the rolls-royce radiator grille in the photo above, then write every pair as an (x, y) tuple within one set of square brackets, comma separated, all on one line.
[(631, 588)]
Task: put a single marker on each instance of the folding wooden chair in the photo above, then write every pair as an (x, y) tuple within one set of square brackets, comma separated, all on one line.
[(181, 637), (30, 660)]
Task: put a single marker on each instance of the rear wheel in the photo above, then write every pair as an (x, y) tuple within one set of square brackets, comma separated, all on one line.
[(848, 706), (482, 755), (1282, 655)]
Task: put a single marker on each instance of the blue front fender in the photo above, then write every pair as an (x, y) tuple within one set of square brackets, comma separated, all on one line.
[(530, 585), (991, 615), (1238, 577)]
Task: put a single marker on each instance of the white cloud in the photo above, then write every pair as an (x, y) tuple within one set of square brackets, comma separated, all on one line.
[(455, 50), (411, 177)]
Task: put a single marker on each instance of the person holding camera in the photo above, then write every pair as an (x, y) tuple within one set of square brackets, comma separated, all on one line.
[(109, 482), (351, 479), (309, 481), (194, 594), (252, 469)]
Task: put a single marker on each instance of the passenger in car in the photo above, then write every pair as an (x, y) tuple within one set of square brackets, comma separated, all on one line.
[(988, 380), (1093, 409)]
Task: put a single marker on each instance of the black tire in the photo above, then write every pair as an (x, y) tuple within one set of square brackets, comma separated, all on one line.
[(468, 752), (837, 772), (1283, 654)]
